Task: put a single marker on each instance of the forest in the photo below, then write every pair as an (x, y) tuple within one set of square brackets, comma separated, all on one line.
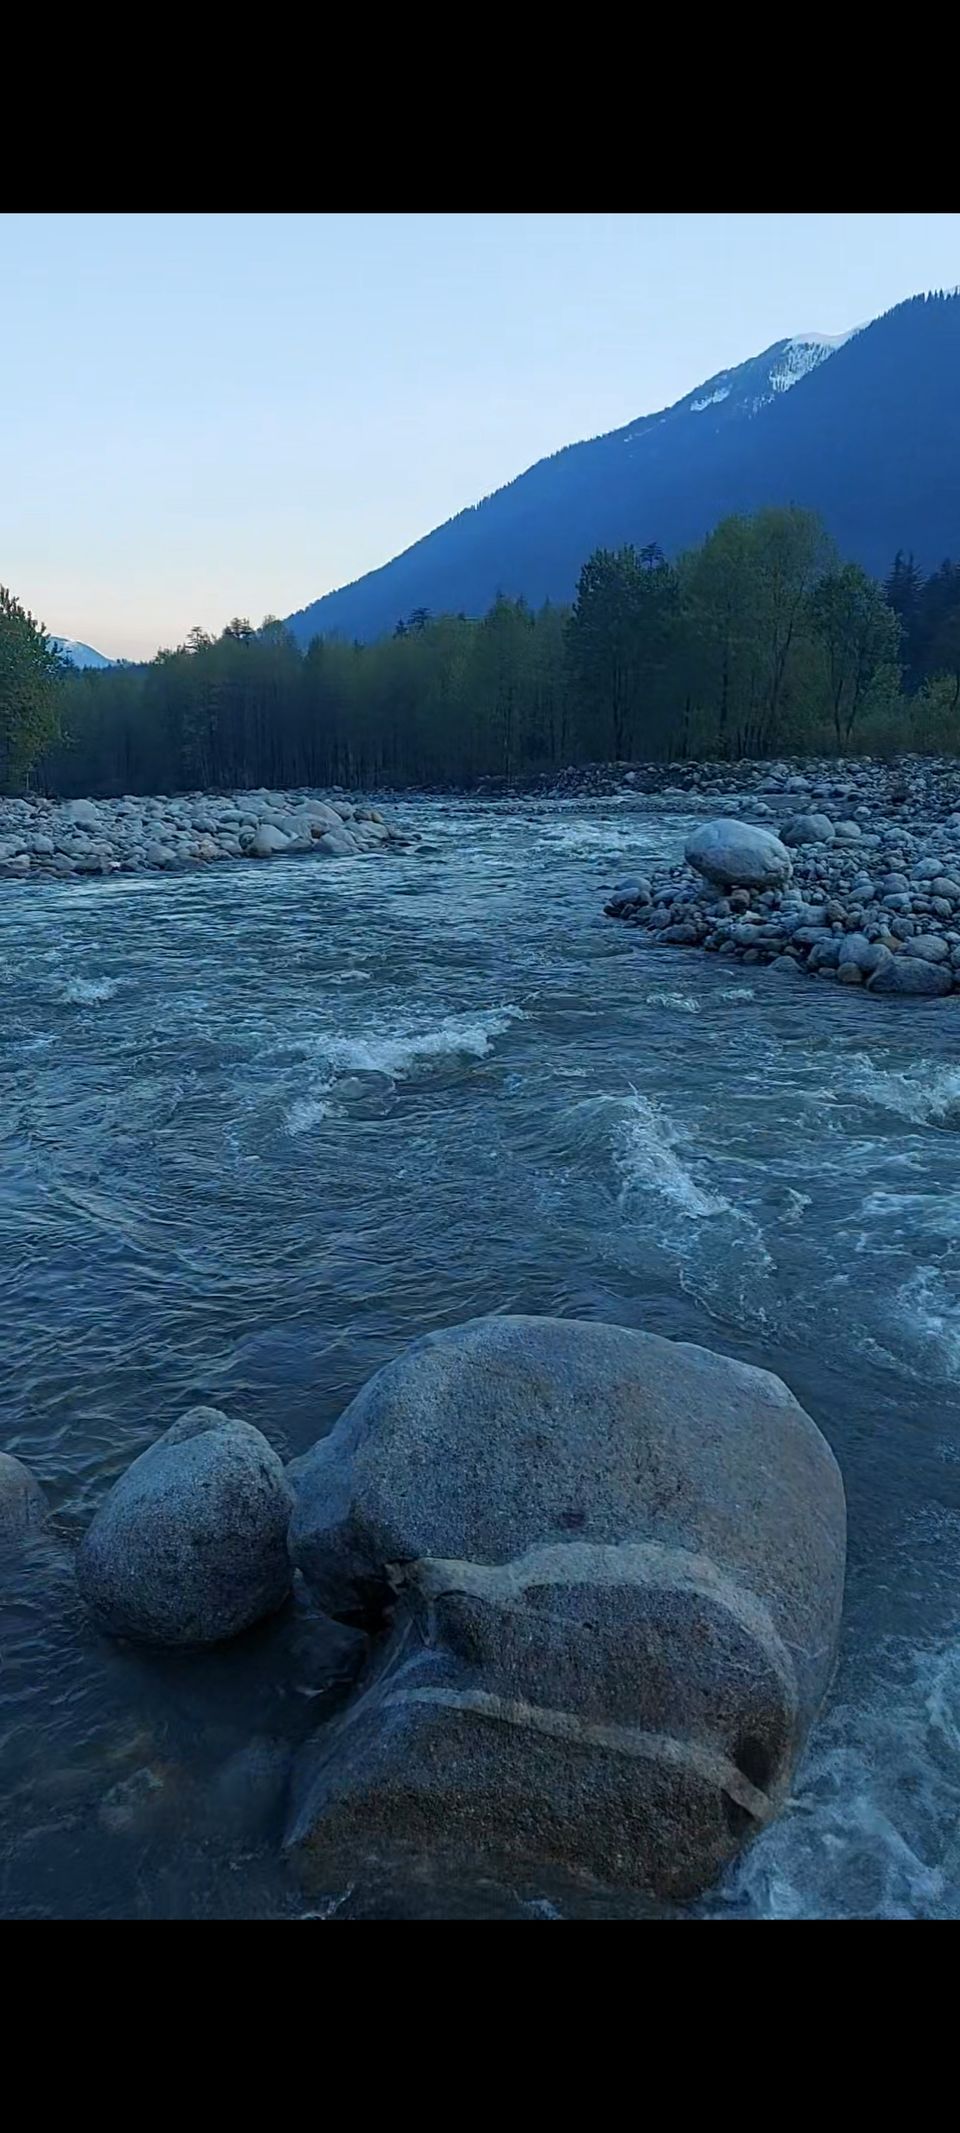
[(761, 640)]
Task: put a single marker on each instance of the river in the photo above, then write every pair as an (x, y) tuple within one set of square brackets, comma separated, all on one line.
[(262, 1125)]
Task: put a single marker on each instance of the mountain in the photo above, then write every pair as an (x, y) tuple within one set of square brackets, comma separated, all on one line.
[(864, 429), (80, 655)]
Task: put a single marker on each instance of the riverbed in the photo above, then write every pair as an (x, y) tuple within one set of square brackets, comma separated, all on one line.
[(261, 1126)]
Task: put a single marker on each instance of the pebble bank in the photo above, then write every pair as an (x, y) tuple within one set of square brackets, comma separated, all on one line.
[(849, 873), (55, 840)]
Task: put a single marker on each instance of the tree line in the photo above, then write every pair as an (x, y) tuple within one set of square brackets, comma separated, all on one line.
[(760, 640)]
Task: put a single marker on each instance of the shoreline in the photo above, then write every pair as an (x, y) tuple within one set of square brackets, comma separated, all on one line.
[(852, 876), (66, 840)]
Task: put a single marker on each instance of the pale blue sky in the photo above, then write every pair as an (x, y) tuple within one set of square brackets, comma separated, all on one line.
[(203, 415)]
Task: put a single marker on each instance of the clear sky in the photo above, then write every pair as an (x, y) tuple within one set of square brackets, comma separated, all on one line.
[(209, 415)]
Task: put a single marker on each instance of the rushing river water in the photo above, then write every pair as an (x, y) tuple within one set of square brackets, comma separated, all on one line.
[(261, 1126)]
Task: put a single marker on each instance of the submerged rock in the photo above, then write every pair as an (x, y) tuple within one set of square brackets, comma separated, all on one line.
[(738, 854), (617, 1569), (190, 1545), (22, 1501)]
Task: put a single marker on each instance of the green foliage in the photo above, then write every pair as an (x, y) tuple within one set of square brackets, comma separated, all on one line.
[(618, 641), (30, 677), (760, 640), (936, 715), (749, 681), (860, 637)]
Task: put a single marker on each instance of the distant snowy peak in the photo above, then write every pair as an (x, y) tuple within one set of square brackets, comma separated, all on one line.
[(754, 384), (79, 655)]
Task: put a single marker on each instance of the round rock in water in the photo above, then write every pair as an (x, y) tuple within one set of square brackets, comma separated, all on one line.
[(737, 855), (616, 1566), (190, 1545), (22, 1501)]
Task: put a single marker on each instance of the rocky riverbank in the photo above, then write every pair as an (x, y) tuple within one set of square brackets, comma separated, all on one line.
[(56, 840), (932, 780), (860, 885)]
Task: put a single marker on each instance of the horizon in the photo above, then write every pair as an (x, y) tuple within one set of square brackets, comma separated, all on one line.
[(223, 415)]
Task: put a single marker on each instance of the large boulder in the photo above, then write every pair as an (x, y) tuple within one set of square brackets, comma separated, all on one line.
[(614, 1569), (738, 855), (22, 1501), (190, 1545)]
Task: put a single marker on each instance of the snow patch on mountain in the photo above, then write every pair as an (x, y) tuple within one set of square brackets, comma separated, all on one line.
[(79, 655), (710, 400), (802, 355)]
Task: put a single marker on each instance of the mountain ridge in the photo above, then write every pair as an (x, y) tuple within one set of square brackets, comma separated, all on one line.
[(863, 426)]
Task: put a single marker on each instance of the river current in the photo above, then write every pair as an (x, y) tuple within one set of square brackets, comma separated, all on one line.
[(261, 1126)]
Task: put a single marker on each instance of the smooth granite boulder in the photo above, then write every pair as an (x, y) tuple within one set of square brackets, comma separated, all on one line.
[(737, 855), (613, 1566), (190, 1547)]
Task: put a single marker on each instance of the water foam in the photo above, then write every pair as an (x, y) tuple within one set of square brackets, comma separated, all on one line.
[(925, 1094), (930, 1313), (684, 1002), (88, 992), (646, 1158), (402, 1051), (305, 1113), (870, 1830)]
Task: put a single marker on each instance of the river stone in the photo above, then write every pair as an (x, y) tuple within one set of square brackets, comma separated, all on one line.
[(736, 854), (322, 817), (911, 975), (268, 840), (808, 829), (83, 812), (930, 946), (616, 1568), (189, 1547), (860, 954), (22, 1501), (335, 844)]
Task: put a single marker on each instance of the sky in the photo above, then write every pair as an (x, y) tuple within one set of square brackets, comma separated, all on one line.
[(212, 415)]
